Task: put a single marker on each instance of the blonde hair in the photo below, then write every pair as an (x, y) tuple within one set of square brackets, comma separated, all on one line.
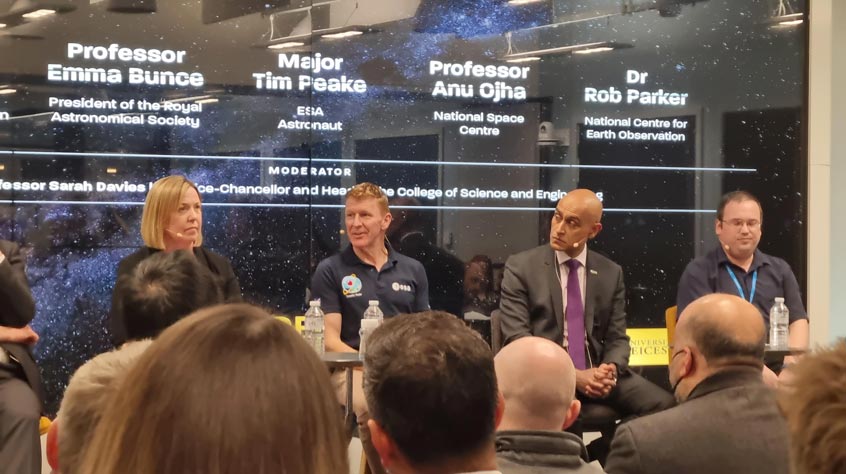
[(363, 191), (227, 390), (163, 200), (85, 398), (814, 403)]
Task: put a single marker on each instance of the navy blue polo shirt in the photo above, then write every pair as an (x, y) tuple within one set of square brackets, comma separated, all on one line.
[(709, 274), (345, 284)]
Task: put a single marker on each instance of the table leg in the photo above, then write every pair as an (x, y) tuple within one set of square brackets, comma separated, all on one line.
[(348, 412)]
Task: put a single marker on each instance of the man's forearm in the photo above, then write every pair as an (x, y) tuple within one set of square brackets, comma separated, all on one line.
[(798, 338), (335, 344), (799, 334)]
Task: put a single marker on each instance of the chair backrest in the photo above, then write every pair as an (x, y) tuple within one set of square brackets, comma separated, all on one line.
[(670, 315), (496, 331)]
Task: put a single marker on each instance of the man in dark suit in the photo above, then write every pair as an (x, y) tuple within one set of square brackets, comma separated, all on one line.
[(20, 381), (727, 421), (576, 297)]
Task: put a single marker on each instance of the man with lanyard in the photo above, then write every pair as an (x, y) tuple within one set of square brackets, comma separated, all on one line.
[(368, 269), (737, 267)]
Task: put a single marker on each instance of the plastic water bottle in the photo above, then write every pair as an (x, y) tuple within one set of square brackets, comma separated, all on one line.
[(371, 320), (313, 331), (779, 320)]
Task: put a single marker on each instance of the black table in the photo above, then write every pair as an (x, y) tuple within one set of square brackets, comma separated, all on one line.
[(777, 354), (347, 361)]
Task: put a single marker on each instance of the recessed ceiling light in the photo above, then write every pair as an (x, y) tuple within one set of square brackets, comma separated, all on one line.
[(38, 13), (601, 49), (343, 34), (524, 60), (791, 19), (586, 48), (288, 44)]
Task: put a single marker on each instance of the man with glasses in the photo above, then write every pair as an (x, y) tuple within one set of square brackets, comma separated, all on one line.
[(727, 420), (738, 267)]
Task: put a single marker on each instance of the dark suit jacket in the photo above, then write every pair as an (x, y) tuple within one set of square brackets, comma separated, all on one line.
[(730, 424), (17, 309), (531, 303), (217, 264)]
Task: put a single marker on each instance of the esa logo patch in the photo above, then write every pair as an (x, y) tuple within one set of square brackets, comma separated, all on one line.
[(350, 284), (400, 287)]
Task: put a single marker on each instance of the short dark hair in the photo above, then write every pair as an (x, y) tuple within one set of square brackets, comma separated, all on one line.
[(430, 383), (717, 345), (163, 289), (737, 196)]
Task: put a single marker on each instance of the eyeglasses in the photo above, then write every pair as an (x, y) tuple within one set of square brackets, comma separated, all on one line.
[(738, 224)]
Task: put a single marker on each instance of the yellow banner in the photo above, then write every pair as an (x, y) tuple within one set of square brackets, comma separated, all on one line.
[(299, 322), (649, 346)]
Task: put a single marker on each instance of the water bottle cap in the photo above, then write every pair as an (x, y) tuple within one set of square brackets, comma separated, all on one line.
[(373, 302), (779, 299), (314, 303)]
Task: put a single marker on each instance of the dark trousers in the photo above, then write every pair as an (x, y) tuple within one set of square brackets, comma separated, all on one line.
[(633, 396), (20, 413)]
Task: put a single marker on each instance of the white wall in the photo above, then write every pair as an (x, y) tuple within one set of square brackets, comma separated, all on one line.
[(827, 171)]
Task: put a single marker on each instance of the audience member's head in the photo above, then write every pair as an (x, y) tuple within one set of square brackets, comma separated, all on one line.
[(815, 406), (85, 399), (431, 388), (478, 276), (537, 380), (715, 332), (226, 390), (163, 289)]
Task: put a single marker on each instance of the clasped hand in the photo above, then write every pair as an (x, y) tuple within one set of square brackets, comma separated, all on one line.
[(597, 382)]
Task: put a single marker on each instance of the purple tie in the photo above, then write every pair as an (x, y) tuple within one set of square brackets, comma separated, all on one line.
[(575, 315)]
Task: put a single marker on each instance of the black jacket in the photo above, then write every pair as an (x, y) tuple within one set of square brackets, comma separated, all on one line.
[(17, 308), (531, 304)]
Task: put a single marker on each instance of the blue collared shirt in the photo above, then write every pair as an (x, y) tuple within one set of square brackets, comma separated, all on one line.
[(709, 274), (345, 284)]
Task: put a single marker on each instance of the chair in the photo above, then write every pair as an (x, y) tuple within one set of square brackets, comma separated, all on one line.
[(496, 331), (44, 425), (670, 315)]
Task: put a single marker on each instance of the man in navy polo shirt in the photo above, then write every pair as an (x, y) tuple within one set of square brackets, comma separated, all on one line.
[(368, 269), (739, 268)]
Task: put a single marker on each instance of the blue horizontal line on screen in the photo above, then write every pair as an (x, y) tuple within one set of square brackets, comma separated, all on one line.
[(371, 161), (341, 206)]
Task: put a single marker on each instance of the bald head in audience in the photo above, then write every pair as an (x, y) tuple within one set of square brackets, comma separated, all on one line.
[(715, 332), (542, 398)]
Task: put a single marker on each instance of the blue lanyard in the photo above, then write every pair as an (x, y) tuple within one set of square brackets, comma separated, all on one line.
[(740, 288)]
